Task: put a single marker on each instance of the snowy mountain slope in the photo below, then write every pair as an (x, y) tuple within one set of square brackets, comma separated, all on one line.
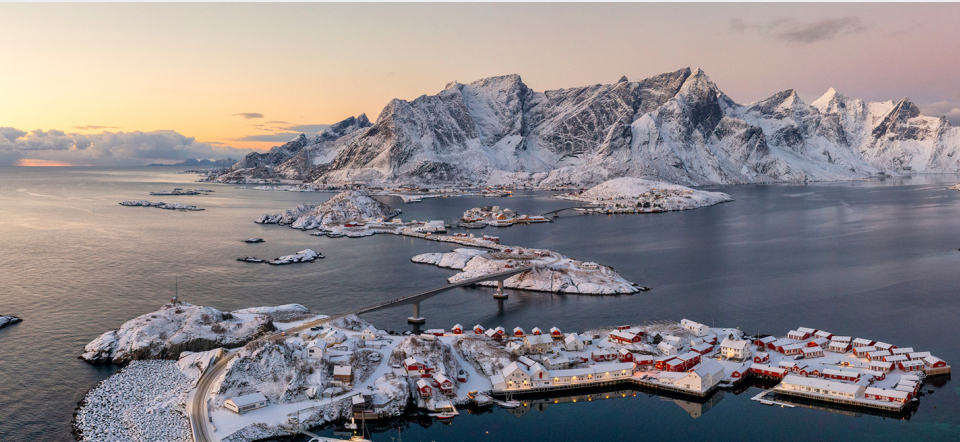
[(677, 127)]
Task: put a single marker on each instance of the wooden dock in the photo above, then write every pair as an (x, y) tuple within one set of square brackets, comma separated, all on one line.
[(642, 384)]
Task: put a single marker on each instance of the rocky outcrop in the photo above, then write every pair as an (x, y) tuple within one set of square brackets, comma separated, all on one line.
[(174, 329), (9, 320), (351, 205)]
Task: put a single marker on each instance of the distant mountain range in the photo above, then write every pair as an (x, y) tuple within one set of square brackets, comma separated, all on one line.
[(193, 162), (677, 127)]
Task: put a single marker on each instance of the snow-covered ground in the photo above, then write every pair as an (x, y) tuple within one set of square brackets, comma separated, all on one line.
[(161, 205), (8, 320), (563, 275), (175, 328), (642, 195)]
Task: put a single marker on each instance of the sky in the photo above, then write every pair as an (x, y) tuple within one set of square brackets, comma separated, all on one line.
[(122, 84)]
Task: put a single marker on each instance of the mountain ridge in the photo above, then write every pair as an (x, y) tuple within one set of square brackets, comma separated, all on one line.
[(677, 127)]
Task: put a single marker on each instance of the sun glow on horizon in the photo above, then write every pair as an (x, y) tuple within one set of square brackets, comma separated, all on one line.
[(31, 162)]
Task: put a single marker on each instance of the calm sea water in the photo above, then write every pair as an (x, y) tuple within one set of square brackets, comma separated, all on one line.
[(869, 258)]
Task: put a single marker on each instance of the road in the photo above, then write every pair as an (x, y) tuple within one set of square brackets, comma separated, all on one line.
[(199, 412)]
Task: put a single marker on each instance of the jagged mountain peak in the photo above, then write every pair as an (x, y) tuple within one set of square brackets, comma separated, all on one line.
[(677, 126)]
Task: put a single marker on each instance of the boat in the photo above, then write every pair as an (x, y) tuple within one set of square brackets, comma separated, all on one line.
[(253, 240), (510, 404), (352, 425), (445, 415)]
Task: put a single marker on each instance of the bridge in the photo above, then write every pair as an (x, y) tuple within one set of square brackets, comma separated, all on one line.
[(557, 212), (417, 298)]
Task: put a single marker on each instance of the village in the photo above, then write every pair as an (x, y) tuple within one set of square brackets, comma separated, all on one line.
[(480, 366), (494, 216)]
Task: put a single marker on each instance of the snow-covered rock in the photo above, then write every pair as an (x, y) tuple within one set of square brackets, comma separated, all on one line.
[(8, 320), (639, 193), (144, 402), (485, 355), (351, 205), (955, 187), (306, 255), (176, 328), (277, 369), (456, 259), (562, 275), (161, 205), (351, 322), (677, 127)]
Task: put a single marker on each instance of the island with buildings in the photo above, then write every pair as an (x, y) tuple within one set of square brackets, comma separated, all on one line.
[(274, 371)]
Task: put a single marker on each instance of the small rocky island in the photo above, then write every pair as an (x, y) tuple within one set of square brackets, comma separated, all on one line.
[(161, 205), (180, 191), (638, 195), (343, 208), (554, 273), (306, 255), (9, 320)]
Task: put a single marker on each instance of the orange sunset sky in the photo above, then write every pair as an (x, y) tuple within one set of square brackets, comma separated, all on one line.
[(225, 78)]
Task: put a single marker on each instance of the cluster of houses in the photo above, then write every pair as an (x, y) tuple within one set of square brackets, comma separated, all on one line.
[(882, 357), (497, 217)]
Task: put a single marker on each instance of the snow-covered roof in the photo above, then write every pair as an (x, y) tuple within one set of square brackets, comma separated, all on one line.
[(342, 370), (878, 353), (735, 344), (932, 360), (845, 373), (357, 399), (538, 339), (810, 350), (248, 399), (708, 367), (822, 384), (873, 391), (413, 360), (570, 338), (623, 334), (862, 341), (842, 339), (902, 350), (558, 360), (422, 383), (441, 379), (612, 366), (881, 364), (526, 361), (806, 330)]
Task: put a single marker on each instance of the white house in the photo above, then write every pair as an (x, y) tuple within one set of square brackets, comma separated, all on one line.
[(702, 377), (556, 363), (537, 344), (334, 337), (667, 348), (821, 387), (245, 403), (514, 348), (735, 349), (573, 343), (315, 351), (370, 334), (694, 327), (515, 376)]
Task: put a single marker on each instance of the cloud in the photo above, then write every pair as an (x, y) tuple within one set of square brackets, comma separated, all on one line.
[(282, 133), (277, 138), (949, 109), (94, 127), (106, 148), (795, 31), (249, 115)]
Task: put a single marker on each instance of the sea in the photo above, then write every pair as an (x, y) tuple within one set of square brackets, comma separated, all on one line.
[(870, 258)]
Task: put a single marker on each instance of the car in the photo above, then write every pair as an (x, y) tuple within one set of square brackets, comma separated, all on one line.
[(283, 333)]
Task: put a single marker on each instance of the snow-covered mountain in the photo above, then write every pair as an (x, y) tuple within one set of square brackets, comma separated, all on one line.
[(677, 127)]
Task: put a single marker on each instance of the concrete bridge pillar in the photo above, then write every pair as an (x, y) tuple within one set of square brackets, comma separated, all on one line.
[(499, 294), (416, 318)]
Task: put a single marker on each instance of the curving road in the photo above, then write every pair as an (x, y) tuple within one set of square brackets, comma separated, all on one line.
[(197, 408)]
